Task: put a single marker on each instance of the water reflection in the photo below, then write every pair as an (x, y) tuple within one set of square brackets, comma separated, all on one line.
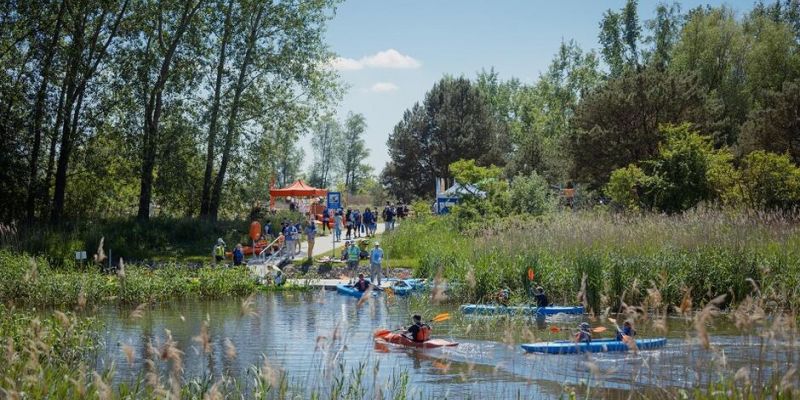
[(311, 336)]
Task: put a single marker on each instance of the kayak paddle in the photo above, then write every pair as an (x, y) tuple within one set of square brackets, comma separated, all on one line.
[(599, 329), (441, 317)]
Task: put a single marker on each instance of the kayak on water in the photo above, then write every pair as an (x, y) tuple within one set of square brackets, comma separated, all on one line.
[(595, 346), (397, 338), (350, 290), (403, 287), (489, 309)]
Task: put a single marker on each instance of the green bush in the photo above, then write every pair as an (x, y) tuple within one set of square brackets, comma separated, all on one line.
[(623, 186), (531, 194), (770, 181)]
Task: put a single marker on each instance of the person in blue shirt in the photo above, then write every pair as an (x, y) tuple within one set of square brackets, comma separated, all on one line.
[(627, 331), (238, 255), (375, 260), (290, 232), (337, 226)]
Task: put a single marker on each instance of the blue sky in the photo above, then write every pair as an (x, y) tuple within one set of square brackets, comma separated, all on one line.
[(392, 52)]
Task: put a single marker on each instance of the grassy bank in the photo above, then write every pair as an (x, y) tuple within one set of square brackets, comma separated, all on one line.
[(160, 239), (32, 281), (614, 258)]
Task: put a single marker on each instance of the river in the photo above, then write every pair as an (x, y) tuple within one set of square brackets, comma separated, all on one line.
[(321, 338)]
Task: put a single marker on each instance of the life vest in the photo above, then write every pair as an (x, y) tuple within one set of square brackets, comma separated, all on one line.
[(219, 250), (423, 334)]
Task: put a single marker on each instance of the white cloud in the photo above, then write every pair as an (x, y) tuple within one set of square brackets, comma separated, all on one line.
[(383, 87), (346, 64), (391, 58)]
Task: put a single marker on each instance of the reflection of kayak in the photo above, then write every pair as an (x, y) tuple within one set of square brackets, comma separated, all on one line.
[(595, 346), (352, 291), (488, 309), (397, 338)]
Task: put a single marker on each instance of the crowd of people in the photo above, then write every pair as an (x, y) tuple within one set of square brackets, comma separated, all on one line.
[(354, 223)]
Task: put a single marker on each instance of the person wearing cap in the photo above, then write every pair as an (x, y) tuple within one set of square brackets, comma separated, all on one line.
[(361, 285), (353, 255), (375, 260), (584, 333), (219, 251), (418, 331)]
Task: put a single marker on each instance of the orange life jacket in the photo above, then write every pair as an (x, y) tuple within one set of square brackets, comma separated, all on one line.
[(424, 334)]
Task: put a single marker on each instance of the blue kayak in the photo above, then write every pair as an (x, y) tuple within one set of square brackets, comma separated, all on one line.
[(349, 290), (489, 309), (403, 287), (595, 346)]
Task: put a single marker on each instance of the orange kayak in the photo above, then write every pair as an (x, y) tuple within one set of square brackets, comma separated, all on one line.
[(397, 338)]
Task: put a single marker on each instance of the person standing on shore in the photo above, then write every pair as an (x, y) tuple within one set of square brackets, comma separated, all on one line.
[(353, 255), (219, 251), (325, 219), (291, 239), (375, 268), (368, 218), (238, 255), (348, 220), (311, 234), (337, 226)]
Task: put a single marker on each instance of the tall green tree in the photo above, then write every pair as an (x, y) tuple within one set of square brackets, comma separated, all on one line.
[(326, 136), (353, 150), (618, 124), (712, 46), (775, 124), (454, 122)]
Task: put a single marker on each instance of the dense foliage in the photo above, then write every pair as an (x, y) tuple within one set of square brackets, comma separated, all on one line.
[(139, 107), (733, 79)]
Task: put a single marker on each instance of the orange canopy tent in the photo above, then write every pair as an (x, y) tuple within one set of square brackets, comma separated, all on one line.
[(296, 189)]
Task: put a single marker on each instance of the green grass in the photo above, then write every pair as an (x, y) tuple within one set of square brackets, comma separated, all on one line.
[(703, 253), (33, 281)]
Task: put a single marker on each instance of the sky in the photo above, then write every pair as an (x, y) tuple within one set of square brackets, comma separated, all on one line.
[(390, 53)]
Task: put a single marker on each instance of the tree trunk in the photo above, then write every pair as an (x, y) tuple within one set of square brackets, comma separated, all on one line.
[(65, 147), (205, 199), (38, 115), (80, 73), (53, 142), (153, 114), (231, 130)]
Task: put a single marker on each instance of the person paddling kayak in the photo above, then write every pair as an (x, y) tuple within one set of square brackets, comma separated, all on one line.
[(361, 285), (584, 333), (541, 298), (627, 331), (418, 332)]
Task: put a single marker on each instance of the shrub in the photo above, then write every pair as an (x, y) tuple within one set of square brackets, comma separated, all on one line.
[(624, 186), (531, 194), (770, 181)]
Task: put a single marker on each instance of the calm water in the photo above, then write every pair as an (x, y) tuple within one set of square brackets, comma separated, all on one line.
[(312, 335)]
